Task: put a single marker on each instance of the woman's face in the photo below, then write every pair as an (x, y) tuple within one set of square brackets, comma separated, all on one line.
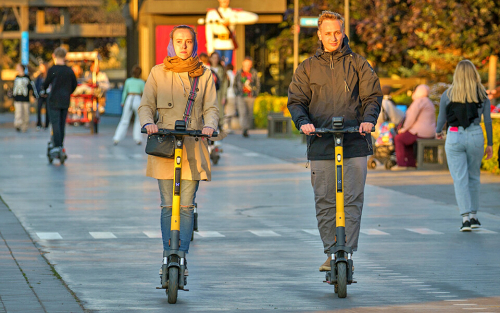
[(183, 43), (214, 59)]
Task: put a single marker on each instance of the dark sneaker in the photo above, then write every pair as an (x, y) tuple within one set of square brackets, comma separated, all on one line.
[(466, 226), (325, 267), (474, 223)]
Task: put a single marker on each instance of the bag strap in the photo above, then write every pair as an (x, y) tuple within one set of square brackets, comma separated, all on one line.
[(191, 98)]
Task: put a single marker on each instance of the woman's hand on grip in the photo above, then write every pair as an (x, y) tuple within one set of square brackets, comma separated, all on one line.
[(151, 128)]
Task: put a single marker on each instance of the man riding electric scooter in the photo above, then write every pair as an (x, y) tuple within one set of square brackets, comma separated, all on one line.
[(336, 82)]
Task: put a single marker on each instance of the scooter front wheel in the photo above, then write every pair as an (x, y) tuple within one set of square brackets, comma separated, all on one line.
[(173, 284), (342, 279)]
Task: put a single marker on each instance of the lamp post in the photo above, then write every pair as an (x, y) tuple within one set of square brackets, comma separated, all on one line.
[(346, 18), (295, 34)]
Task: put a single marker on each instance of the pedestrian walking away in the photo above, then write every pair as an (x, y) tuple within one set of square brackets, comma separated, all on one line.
[(420, 122), (462, 107), (62, 80), (131, 99), (23, 85), (166, 92), (42, 101), (219, 70), (230, 100), (315, 96), (246, 88)]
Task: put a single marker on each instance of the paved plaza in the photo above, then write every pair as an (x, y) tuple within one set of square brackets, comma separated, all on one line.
[(85, 237)]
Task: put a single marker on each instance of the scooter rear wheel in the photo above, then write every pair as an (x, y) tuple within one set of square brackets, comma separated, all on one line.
[(173, 284), (342, 279)]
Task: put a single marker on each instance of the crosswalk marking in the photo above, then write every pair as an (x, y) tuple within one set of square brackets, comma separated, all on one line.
[(484, 231), (102, 235), (252, 154), (424, 231), (372, 231), (276, 232), (75, 156), (152, 234), (210, 234), (49, 236), (16, 156), (265, 233), (311, 231)]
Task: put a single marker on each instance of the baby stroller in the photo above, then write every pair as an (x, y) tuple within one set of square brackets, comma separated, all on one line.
[(383, 148)]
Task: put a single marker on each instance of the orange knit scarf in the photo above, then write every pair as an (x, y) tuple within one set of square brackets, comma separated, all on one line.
[(191, 65)]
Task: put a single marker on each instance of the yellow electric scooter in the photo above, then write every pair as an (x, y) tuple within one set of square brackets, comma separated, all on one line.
[(174, 261), (341, 271)]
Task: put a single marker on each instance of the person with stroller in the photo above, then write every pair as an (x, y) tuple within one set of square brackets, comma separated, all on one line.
[(166, 93), (388, 111), (420, 122), (462, 107)]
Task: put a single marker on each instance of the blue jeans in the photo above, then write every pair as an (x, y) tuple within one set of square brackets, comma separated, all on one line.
[(226, 56), (188, 190), (464, 151)]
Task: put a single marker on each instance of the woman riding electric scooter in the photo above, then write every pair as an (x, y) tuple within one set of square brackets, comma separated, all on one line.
[(169, 90)]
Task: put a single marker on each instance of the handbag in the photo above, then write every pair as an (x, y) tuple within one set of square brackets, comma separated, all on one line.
[(164, 145), (232, 36)]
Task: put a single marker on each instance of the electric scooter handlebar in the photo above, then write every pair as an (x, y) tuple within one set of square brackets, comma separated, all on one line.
[(353, 129), (191, 133)]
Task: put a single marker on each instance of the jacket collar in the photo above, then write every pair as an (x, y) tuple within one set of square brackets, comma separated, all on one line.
[(335, 55)]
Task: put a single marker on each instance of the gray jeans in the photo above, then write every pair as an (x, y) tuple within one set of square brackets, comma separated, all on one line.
[(245, 111), (324, 185), (464, 151)]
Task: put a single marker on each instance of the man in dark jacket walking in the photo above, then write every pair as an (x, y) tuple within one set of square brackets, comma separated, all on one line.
[(336, 82)]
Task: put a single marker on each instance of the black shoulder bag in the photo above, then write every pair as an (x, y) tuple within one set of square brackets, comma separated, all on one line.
[(164, 145)]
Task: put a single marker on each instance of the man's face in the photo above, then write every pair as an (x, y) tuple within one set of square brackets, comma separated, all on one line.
[(331, 33), (224, 3), (183, 43), (19, 69), (247, 65)]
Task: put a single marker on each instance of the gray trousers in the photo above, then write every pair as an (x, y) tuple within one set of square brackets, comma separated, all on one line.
[(245, 111), (324, 186)]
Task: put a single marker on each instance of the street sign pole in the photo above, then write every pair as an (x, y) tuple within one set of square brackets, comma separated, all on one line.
[(295, 34), (25, 50)]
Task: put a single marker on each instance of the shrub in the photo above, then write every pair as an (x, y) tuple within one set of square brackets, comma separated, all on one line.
[(491, 165), (265, 104)]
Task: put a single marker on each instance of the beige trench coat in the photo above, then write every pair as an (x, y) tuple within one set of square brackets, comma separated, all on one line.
[(167, 92)]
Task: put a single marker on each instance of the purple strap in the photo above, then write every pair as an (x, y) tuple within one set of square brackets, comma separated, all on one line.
[(191, 98)]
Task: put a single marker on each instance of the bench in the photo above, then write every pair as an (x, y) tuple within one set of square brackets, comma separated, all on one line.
[(431, 154), (279, 126)]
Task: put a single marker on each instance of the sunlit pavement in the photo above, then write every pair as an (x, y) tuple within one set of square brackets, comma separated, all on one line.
[(97, 219)]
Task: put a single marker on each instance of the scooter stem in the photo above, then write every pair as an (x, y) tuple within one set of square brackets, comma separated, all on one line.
[(339, 164), (176, 199)]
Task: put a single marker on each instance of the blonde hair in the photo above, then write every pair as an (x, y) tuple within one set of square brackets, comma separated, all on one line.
[(466, 86), (329, 15)]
